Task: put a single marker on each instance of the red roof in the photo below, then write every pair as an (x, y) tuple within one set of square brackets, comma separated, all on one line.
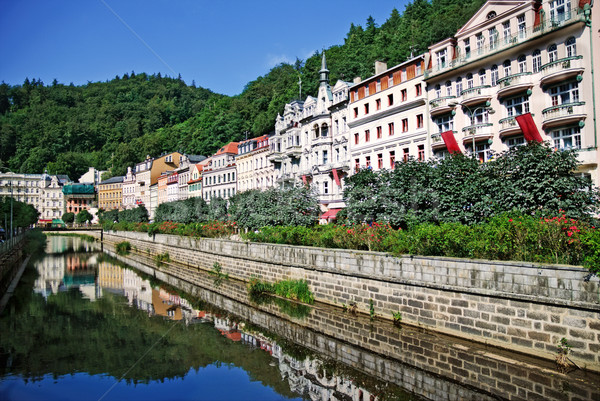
[(330, 214), (231, 147)]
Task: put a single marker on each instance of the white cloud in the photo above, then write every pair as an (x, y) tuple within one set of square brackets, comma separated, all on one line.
[(276, 59)]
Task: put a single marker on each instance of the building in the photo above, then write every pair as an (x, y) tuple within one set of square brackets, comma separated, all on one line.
[(387, 116), (173, 187), (128, 189), (219, 175), (517, 71), (147, 174), (253, 166), (161, 188), (195, 182), (184, 174), (285, 149), (79, 197), (110, 194)]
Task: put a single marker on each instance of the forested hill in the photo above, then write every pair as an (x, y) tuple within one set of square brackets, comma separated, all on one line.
[(114, 124)]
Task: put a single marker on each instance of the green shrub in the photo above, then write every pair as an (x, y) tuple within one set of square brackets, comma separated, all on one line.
[(123, 248)]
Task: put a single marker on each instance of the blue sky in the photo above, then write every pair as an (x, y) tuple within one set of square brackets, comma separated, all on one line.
[(221, 45)]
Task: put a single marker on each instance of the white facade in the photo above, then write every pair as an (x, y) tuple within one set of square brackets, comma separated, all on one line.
[(387, 117), (129, 190), (254, 169), (219, 177), (515, 58)]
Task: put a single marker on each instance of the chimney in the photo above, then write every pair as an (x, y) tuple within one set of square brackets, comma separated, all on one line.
[(380, 66), (356, 80)]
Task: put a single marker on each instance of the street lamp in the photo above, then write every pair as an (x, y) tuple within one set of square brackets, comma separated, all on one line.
[(472, 113), (11, 203)]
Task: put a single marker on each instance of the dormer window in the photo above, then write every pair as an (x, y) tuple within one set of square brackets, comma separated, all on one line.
[(491, 14)]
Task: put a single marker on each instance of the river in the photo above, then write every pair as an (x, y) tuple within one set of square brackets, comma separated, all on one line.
[(88, 324)]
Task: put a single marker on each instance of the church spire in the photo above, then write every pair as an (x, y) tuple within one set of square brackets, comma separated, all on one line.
[(324, 73)]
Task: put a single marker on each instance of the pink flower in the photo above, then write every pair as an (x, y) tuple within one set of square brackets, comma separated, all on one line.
[(510, 220), (569, 233)]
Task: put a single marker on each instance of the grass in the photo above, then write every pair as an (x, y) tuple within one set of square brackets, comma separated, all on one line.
[(290, 289), (123, 248)]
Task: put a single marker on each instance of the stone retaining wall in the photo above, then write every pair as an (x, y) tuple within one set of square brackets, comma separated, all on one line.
[(520, 306)]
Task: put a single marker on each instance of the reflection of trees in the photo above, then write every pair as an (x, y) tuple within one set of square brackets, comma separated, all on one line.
[(68, 334)]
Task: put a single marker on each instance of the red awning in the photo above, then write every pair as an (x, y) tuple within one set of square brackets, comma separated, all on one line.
[(330, 214), (528, 127), (304, 179), (450, 141), (336, 177)]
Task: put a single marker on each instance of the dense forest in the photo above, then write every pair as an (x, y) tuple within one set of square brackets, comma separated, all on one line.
[(114, 124)]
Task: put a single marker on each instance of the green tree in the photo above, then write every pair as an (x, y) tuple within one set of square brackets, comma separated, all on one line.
[(84, 217), (68, 217)]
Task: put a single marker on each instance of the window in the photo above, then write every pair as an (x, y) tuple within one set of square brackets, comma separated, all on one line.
[(515, 141), (404, 95), (367, 135), (378, 104), (391, 129), (441, 58), (537, 60), (521, 26), (325, 187), (552, 53), (355, 112), (421, 152), (420, 121), (418, 69), (418, 90), (560, 10), (469, 81), (445, 123), (368, 161), (448, 88), (390, 99), (493, 34), (325, 157), (356, 164), (380, 161), (482, 152), (404, 124), (507, 68), (459, 87), (517, 106), (480, 43), (405, 154), (564, 94), (567, 138), (356, 138), (392, 159), (482, 77), (506, 30), (379, 132), (522, 61), (479, 116), (438, 91), (366, 108), (467, 43), (494, 75), (571, 47)]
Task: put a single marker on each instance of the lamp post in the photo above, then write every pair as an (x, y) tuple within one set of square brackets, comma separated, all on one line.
[(472, 113), (11, 203)]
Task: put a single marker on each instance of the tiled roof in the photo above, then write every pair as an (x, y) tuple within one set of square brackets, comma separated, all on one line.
[(231, 147), (112, 180)]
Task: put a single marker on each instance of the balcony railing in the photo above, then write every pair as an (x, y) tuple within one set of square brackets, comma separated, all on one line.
[(514, 79), (483, 90), (441, 101), (564, 110), (546, 26), (560, 65), (477, 129)]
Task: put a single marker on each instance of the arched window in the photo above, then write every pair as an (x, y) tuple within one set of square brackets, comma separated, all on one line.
[(438, 91), (552, 53), (491, 14), (537, 60), (482, 77), (522, 60), (448, 88), (507, 68), (469, 81), (494, 73), (324, 130), (459, 86), (571, 47), (315, 131)]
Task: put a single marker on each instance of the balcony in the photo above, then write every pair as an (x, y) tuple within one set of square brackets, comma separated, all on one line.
[(475, 95), (509, 126), (441, 105), (294, 150), (477, 132), (514, 83), (561, 69), (437, 142), (567, 113), (548, 25), (341, 165), (275, 156)]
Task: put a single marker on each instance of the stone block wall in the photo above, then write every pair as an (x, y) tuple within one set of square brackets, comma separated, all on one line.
[(520, 306)]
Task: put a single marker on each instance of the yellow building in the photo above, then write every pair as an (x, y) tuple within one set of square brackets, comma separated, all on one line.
[(110, 194)]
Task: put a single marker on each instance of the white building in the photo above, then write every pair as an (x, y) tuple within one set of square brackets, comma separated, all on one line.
[(219, 177)]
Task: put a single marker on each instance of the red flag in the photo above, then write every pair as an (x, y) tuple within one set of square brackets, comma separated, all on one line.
[(304, 179), (336, 177), (528, 127), (450, 141)]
